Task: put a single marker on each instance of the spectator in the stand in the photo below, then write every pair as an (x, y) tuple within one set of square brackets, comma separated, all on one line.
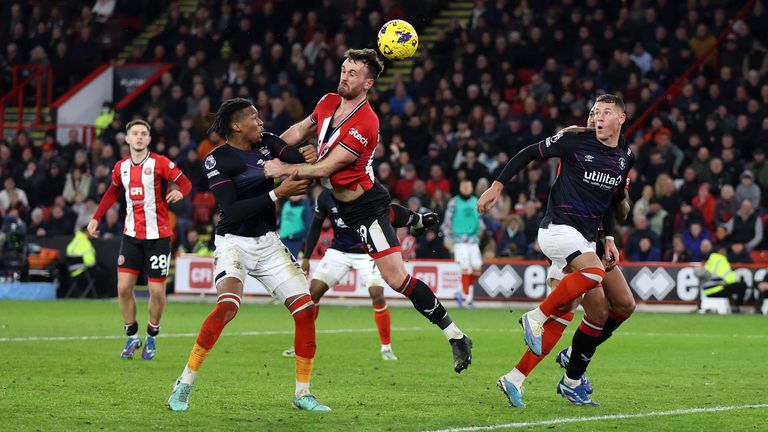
[(670, 151), (399, 99), (748, 190), (36, 223), (690, 186), (386, 176), (32, 180), (759, 166), (658, 218), (642, 205), (701, 163), (666, 193), (404, 186), (684, 217), (60, 223), (12, 197), (745, 227), (693, 238), (645, 251), (437, 180), (432, 247), (277, 119), (84, 209), (111, 226), (706, 204), (192, 167), (641, 230), (726, 206), (678, 253), (512, 241), (77, 183), (737, 253), (531, 221), (54, 185), (207, 145)]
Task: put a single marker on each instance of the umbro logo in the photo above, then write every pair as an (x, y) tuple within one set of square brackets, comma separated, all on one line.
[(589, 158)]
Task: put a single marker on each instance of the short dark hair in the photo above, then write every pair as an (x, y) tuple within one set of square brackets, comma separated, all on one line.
[(224, 116), (609, 98), (368, 57), (140, 122)]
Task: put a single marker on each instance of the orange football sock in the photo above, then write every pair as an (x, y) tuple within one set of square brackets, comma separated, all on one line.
[(570, 288), (553, 331), (383, 322)]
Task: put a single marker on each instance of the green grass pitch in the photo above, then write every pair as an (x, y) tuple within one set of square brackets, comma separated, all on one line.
[(656, 363)]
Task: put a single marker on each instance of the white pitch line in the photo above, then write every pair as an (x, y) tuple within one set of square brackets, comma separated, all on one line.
[(365, 330), (184, 335), (604, 417), (630, 333)]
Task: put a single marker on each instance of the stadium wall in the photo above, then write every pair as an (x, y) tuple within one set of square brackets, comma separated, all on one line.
[(650, 282), (82, 103)]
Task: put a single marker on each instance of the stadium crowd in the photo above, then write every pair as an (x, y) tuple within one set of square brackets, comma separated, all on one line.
[(516, 74)]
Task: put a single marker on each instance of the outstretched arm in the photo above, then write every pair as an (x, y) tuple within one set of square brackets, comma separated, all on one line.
[(298, 133), (338, 158), (489, 198)]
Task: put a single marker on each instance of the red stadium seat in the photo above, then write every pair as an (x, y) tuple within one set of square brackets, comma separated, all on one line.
[(759, 256), (203, 205)]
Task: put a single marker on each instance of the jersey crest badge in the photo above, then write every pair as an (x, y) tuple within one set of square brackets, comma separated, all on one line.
[(147, 171), (210, 162), (622, 163)]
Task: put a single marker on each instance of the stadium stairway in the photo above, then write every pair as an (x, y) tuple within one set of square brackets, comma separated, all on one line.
[(186, 7), (458, 12), (36, 134)]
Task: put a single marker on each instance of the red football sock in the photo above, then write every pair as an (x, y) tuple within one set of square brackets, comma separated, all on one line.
[(383, 322), (304, 336), (304, 320), (466, 281), (570, 288), (553, 331)]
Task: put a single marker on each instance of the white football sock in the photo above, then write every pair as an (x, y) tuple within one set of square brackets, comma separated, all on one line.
[(188, 376), (516, 377), (453, 332), (301, 389)]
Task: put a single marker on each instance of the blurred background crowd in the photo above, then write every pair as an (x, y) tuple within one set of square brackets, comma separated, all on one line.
[(515, 74)]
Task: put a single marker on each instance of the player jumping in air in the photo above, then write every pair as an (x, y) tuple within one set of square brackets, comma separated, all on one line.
[(247, 245), (345, 254), (347, 132), (147, 234), (594, 165)]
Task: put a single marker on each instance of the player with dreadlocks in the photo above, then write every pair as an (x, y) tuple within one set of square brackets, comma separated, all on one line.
[(247, 245)]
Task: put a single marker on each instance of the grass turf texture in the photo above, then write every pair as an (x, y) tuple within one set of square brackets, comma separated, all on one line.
[(656, 362)]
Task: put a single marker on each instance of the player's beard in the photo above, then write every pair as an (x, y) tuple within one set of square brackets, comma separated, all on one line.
[(345, 91)]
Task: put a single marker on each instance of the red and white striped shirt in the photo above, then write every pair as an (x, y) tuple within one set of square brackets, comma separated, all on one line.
[(146, 215)]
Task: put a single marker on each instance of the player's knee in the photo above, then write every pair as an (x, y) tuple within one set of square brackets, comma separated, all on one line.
[(317, 289), (125, 290), (377, 295), (626, 307), (597, 316), (596, 274)]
